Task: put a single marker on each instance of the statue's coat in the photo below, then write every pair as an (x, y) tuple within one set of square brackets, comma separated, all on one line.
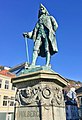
[(50, 23)]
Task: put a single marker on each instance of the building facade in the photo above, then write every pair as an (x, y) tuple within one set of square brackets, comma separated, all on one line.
[(7, 95), (79, 101)]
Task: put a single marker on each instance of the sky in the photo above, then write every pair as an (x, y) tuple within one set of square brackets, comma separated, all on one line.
[(19, 16)]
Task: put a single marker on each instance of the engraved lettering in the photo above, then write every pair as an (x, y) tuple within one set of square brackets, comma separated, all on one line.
[(28, 114)]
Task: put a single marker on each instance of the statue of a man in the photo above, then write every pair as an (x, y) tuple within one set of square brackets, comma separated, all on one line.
[(43, 35)]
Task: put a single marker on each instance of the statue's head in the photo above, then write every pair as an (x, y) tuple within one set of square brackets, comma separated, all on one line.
[(42, 10), (28, 91)]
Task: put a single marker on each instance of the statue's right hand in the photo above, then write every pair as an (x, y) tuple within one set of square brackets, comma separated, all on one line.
[(28, 34), (25, 35)]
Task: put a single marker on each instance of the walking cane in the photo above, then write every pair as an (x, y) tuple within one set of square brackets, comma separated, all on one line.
[(27, 54)]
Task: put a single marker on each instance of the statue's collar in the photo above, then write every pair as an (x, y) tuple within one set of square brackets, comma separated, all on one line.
[(43, 15)]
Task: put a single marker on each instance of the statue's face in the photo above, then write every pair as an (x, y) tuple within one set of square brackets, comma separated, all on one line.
[(42, 10), (28, 91)]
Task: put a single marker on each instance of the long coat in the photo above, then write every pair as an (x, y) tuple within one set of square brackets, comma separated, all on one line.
[(50, 23)]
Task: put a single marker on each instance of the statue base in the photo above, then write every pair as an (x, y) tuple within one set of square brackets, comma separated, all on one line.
[(39, 95)]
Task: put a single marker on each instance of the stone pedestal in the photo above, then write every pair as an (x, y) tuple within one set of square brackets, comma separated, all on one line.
[(39, 96)]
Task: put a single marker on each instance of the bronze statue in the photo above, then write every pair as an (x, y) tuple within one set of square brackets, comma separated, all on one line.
[(44, 36)]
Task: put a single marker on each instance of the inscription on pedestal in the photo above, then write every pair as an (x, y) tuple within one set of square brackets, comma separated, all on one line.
[(30, 113)]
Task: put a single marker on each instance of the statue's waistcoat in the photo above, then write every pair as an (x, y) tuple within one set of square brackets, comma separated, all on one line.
[(45, 20)]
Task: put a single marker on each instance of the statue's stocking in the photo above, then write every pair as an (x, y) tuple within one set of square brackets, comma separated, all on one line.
[(47, 58), (35, 55)]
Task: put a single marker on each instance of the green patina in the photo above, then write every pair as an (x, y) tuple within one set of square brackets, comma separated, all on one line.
[(44, 36), (34, 69)]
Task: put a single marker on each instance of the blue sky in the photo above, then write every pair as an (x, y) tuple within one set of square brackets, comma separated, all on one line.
[(18, 16)]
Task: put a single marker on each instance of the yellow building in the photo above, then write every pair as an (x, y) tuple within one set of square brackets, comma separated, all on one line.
[(7, 95)]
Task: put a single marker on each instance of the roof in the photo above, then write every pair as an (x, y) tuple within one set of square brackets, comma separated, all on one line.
[(6, 73), (17, 67), (1, 67)]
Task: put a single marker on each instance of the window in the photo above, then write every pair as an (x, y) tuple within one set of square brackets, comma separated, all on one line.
[(8, 101), (5, 100), (8, 117), (12, 98), (13, 88), (80, 101), (0, 100), (12, 101), (0, 83), (6, 84), (4, 103)]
